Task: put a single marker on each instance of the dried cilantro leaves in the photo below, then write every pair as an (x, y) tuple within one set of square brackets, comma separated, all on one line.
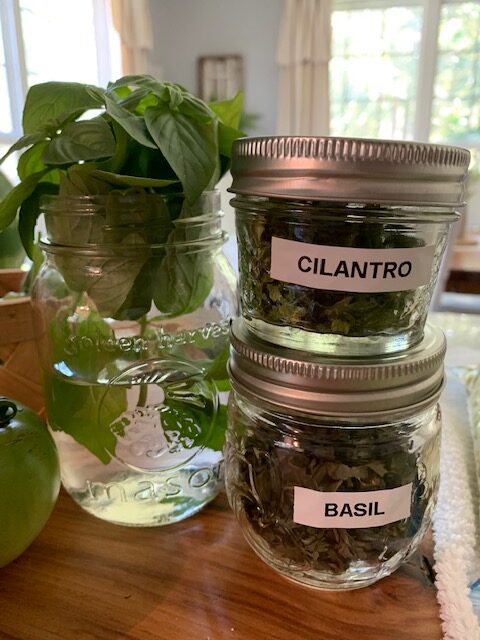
[(319, 310)]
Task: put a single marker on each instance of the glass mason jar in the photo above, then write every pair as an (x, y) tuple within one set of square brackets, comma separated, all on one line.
[(340, 240), (332, 465), (132, 309)]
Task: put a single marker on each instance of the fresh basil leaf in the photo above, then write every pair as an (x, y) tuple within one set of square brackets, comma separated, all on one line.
[(5, 185), (24, 141), (129, 99), (50, 104), (168, 93), (31, 160), (136, 100), (134, 125), (148, 163), (83, 360), (188, 416), (37, 258), (81, 141), (139, 299), (29, 212), (217, 439), (12, 253), (118, 159), (149, 100), (189, 146), (229, 111), (226, 138), (196, 108), (79, 181), (182, 281), (86, 413), (11, 250), (14, 198), (218, 369), (73, 230), (138, 212), (223, 385), (106, 280), (131, 181), (131, 81)]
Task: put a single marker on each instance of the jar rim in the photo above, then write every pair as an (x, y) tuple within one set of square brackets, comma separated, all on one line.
[(338, 385), (350, 169), (119, 249), (252, 204), (84, 201), (89, 222), (369, 418)]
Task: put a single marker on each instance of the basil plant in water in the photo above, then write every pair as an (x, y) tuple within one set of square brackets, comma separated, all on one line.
[(133, 302)]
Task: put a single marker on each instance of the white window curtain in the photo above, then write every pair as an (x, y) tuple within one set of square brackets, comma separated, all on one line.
[(303, 54), (131, 18)]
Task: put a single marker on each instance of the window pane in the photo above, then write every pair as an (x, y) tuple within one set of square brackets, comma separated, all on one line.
[(5, 115), (373, 71), (59, 38), (458, 26), (455, 109), (9, 167)]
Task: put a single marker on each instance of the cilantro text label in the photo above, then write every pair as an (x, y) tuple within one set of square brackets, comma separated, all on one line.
[(350, 269), (351, 509)]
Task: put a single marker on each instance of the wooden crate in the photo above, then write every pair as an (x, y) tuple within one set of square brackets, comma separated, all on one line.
[(20, 373)]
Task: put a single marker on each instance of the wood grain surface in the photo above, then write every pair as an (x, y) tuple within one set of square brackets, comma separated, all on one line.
[(84, 579), (20, 375), (464, 274)]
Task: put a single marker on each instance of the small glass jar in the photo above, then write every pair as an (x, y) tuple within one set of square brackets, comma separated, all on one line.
[(332, 465), (132, 312), (340, 240)]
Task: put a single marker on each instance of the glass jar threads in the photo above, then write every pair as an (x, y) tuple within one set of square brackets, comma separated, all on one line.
[(340, 240), (332, 464), (133, 308)]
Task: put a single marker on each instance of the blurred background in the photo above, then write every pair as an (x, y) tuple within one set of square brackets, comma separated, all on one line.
[(406, 69)]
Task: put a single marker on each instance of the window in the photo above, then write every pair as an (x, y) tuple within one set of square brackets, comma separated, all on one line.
[(70, 40), (374, 71), (407, 69), (456, 97)]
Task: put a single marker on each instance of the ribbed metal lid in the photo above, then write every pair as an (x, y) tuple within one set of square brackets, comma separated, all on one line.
[(350, 169), (335, 386)]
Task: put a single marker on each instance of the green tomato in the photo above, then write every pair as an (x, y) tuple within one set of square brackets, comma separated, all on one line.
[(29, 478)]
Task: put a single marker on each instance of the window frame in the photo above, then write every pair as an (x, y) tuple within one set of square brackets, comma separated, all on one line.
[(15, 61), (427, 65)]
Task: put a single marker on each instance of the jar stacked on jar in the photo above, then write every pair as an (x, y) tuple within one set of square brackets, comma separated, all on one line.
[(332, 452)]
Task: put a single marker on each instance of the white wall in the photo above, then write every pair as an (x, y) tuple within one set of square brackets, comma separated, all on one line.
[(186, 29)]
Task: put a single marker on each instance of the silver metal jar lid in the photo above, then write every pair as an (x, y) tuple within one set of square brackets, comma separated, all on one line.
[(352, 170), (402, 382)]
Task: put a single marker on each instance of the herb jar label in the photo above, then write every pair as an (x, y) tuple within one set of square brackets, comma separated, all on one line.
[(351, 509), (350, 269)]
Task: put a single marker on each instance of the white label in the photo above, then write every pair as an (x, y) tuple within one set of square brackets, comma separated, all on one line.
[(346, 269), (351, 509)]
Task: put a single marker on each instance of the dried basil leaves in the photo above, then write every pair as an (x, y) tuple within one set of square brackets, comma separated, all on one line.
[(265, 461)]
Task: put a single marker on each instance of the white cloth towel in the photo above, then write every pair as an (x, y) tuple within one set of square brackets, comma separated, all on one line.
[(455, 523)]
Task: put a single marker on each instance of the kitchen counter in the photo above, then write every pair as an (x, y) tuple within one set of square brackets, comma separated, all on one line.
[(85, 579), (464, 275)]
